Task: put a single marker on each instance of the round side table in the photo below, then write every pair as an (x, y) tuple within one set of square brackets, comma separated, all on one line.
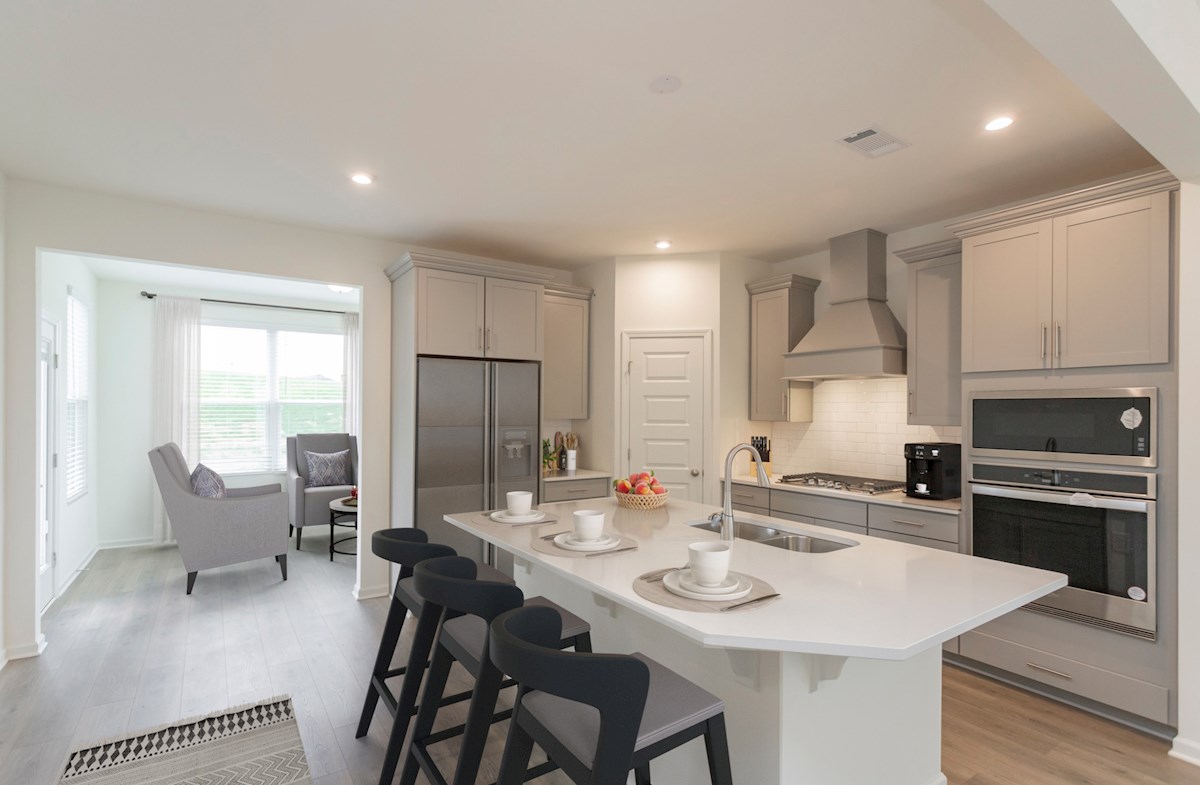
[(343, 514)]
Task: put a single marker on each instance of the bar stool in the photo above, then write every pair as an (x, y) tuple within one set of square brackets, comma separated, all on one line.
[(597, 716), (469, 605), (407, 548)]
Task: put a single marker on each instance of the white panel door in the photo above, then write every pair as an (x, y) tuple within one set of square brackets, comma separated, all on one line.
[(667, 379)]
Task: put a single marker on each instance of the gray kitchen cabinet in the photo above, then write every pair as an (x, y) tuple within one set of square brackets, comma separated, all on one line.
[(920, 524), (924, 542), (934, 333), (573, 490), (1073, 281), (781, 312), (464, 315), (820, 508), (565, 352), (750, 496)]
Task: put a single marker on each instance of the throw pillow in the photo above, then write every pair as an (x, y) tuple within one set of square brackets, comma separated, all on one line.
[(206, 482), (327, 468)]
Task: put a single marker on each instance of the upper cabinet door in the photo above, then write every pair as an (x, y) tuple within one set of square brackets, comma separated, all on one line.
[(513, 329), (565, 367), (1112, 284), (768, 337), (935, 341), (450, 313), (1006, 309)]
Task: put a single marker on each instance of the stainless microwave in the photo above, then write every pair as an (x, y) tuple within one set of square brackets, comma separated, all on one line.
[(1114, 426)]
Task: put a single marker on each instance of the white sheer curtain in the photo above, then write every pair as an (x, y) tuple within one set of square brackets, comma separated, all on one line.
[(352, 365), (176, 386)]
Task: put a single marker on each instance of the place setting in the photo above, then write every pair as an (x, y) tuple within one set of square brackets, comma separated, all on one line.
[(587, 538), (705, 583), (519, 512)]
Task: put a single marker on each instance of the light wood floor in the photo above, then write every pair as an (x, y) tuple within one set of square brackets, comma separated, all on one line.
[(128, 649)]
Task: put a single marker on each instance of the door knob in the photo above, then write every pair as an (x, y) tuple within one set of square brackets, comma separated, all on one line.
[(695, 472)]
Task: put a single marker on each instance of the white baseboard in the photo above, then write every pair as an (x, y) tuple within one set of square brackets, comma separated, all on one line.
[(371, 592), (60, 591), (134, 542), (1185, 750), (28, 650)]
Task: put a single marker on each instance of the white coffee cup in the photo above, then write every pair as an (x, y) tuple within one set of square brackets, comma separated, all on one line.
[(922, 488), (709, 562), (519, 502), (589, 525)]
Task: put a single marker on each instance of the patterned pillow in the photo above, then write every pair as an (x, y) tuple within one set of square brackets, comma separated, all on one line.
[(327, 468), (206, 482)]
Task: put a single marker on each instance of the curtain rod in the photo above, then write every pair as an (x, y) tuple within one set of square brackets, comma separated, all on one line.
[(152, 295)]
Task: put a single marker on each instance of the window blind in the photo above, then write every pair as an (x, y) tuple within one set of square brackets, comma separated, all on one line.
[(77, 398)]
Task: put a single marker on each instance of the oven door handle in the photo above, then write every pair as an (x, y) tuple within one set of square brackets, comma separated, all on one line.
[(1069, 499)]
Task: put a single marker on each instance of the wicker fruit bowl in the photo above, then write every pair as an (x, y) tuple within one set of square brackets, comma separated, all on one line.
[(635, 501)]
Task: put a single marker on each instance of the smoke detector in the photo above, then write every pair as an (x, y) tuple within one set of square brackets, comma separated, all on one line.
[(873, 142)]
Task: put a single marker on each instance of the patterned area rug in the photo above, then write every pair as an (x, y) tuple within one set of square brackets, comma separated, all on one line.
[(249, 745)]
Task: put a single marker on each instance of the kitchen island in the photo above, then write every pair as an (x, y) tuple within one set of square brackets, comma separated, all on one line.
[(836, 682)]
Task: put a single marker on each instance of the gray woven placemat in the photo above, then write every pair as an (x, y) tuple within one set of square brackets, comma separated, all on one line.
[(658, 594), (486, 520), (548, 547)]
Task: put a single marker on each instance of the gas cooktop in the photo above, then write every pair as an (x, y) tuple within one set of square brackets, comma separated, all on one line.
[(843, 482)]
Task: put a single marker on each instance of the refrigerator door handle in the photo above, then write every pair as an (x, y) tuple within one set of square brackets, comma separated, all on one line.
[(489, 500)]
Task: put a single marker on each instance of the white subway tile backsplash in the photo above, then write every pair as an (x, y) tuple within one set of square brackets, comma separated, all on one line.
[(859, 427)]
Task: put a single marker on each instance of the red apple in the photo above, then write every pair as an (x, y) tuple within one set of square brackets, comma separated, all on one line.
[(658, 489), (623, 486), (633, 478), (645, 476), (643, 489)]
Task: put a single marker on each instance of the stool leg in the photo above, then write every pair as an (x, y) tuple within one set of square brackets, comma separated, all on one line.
[(479, 722), (716, 744), (518, 748), (387, 649), (418, 659), (641, 775), (431, 697), (583, 642)]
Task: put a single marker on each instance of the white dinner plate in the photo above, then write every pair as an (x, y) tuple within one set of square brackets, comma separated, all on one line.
[(567, 541), (671, 583), (732, 583), (502, 516)]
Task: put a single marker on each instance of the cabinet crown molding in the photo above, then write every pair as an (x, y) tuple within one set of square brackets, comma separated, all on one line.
[(1140, 184), (786, 281), (567, 290), (919, 253), (471, 265)]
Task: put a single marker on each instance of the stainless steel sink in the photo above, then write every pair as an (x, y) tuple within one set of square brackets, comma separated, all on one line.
[(767, 535)]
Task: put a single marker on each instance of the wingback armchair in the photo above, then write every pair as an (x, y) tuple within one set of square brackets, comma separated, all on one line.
[(309, 505), (248, 524)]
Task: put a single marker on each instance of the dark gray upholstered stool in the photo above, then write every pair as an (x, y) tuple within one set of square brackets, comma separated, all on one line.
[(598, 716), (406, 548), (467, 607)]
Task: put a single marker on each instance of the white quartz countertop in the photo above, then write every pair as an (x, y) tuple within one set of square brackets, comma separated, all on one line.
[(893, 499), (576, 474), (879, 599)]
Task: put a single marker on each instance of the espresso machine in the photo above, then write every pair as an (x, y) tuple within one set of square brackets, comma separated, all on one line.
[(934, 470)]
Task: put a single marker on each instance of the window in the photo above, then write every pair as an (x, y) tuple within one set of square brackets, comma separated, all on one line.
[(77, 398), (260, 384)]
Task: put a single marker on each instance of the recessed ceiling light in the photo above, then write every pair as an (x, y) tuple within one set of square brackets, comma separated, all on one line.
[(362, 178), (662, 245), (998, 123), (340, 289)]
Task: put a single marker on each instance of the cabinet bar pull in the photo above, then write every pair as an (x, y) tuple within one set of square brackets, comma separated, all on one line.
[(743, 495), (1043, 340), (480, 337), (908, 523), (577, 490), (1057, 340), (489, 339), (785, 405), (1051, 671)]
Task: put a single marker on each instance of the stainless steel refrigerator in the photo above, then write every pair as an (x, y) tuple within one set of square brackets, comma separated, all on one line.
[(477, 439)]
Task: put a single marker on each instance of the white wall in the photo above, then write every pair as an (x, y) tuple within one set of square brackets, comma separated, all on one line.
[(598, 434), (3, 482), (75, 520), (51, 217), (733, 349)]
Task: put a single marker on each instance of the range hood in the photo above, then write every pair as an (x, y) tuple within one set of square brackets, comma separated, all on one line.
[(858, 337)]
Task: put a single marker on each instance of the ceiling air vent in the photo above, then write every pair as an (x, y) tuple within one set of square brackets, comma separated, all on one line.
[(873, 142)]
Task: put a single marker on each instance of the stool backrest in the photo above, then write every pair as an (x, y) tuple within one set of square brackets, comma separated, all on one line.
[(449, 582), (406, 547), (524, 644)]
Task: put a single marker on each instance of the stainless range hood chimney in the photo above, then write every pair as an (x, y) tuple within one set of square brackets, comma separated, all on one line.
[(858, 337)]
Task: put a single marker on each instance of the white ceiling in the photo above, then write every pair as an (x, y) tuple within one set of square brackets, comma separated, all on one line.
[(526, 129)]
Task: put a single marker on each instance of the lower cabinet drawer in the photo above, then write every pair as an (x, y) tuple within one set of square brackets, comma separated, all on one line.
[(750, 496), (1112, 689), (918, 523), (569, 490), (940, 545), (751, 508), (796, 503)]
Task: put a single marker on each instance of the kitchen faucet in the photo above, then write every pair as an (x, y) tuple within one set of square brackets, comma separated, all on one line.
[(727, 515)]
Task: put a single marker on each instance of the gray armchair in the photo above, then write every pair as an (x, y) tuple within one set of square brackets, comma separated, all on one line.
[(248, 524), (310, 506)]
